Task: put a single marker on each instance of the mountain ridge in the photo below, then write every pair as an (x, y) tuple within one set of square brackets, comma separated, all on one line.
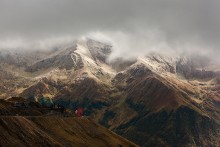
[(126, 96)]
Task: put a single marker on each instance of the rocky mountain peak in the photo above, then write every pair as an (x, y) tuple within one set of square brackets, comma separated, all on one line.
[(147, 95)]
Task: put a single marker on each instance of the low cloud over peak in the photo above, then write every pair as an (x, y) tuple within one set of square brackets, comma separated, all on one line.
[(133, 27)]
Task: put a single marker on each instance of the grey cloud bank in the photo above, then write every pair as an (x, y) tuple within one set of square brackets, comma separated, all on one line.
[(133, 27)]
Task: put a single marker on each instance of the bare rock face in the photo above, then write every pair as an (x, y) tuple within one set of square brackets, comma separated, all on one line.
[(83, 52), (59, 59), (98, 50)]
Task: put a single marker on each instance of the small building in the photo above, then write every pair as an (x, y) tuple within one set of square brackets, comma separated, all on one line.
[(79, 112)]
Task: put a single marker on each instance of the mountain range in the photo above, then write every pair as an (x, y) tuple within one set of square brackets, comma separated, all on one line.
[(153, 100)]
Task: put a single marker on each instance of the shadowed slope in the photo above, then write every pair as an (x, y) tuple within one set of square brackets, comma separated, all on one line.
[(56, 131)]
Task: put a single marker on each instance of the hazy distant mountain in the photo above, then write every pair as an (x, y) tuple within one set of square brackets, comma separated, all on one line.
[(154, 100)]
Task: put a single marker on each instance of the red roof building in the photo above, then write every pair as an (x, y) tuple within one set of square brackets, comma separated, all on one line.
[(79, 112)]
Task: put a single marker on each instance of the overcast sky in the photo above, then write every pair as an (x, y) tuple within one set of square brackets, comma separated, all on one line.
[(133, 26)]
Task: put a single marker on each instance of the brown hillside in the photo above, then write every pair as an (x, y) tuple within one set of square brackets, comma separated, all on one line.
[(55, 131)]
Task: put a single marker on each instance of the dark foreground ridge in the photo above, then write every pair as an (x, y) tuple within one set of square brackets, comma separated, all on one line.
[(56, 131)]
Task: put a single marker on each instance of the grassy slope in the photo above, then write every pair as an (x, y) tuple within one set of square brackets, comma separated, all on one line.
[(56, 131)]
